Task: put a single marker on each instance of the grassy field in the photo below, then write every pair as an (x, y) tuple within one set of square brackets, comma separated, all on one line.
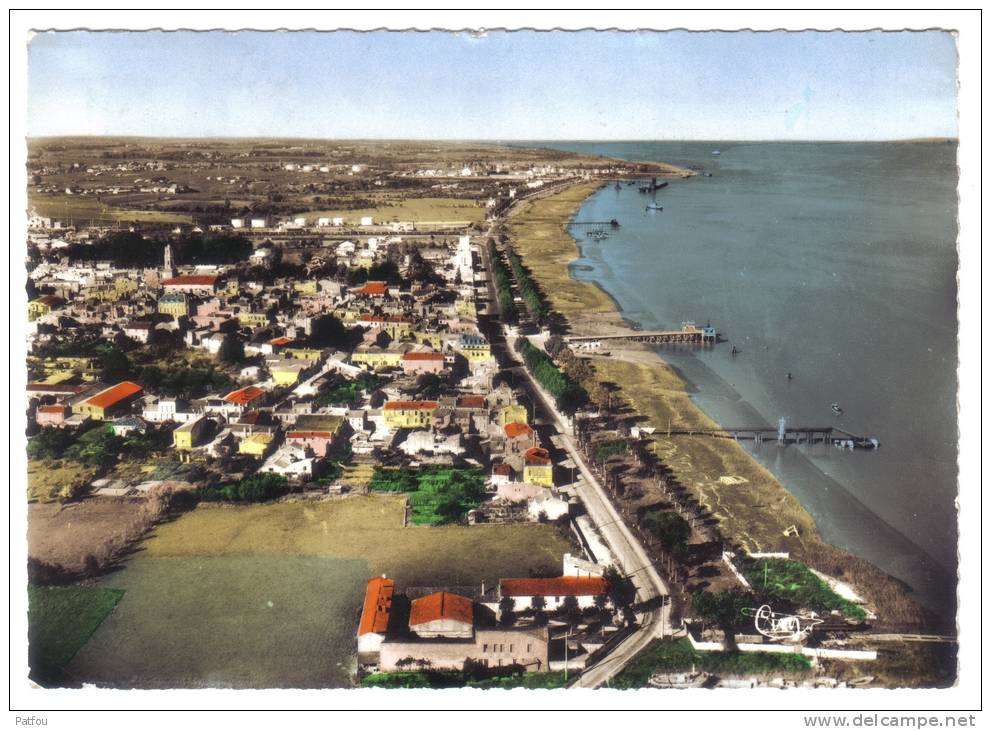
[(269, 595), (60, 621), (537, 233), (79, 209), (231, 621), (792, 581), (676, 655), (368, 528), (48, 477), (409, 210)]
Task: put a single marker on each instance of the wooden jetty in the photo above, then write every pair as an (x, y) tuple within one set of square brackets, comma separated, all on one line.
[(783, 435), (689, 333)]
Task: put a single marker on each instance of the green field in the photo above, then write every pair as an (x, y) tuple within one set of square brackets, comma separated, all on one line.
[(437, 495), (232, 621), (676, 655), (61, 620), (90, 210), (792, 581), (268, 595)]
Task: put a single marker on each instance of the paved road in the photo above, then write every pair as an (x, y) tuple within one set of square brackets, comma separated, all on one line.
[(627, 550)]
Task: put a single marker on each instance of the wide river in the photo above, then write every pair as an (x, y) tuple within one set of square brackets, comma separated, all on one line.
[(835, 263)]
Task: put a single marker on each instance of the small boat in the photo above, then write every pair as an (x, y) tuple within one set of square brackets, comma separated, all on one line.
[(715, 152), (788, 376), (735, 351), (836, 409), (654, 206)]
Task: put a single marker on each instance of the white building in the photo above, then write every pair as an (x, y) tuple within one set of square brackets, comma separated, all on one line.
[(237, 222), (367, 220), (259, 223)]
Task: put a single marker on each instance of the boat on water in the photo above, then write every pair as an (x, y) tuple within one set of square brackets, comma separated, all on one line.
[(715, 152), (654, 206), (836, 409)]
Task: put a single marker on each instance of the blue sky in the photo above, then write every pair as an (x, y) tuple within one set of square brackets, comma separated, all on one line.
[(523, 85)]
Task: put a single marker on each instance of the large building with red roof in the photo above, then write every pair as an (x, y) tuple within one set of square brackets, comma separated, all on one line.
[(442, 615), (554, 591), (192, 284), (375, 613), (109, 402)]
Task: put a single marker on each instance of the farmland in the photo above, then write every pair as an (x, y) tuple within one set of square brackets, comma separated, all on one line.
[(409, 210), (60, 621), (94, 212), (268, 595)]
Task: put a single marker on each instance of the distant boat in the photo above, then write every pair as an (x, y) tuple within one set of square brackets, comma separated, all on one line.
[(654, 206), (836, 409), (715, 152)]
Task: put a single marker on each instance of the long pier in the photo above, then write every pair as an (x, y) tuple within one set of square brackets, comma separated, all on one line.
[(689, 333), (596, 224), (796, 435)]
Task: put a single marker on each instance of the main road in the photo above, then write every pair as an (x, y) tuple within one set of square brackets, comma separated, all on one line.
[(628, 552)]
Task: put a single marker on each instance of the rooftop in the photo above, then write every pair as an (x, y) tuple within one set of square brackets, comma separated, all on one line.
[(537, 457), (244, 396), (441, 606), (377, 606), (114, 394), (514, 430), (411, 405), (568, 585), (192, 280)]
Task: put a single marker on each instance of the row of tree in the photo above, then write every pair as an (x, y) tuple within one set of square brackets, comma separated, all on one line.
[(503, 286), (131, 249), (568, 395), (528, 289)]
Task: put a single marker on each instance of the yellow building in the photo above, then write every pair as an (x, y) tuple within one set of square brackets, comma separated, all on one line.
[(347, 315), (185, 436), (256, 444), (43, 305), (466, 307), (308, 287), (409, 413), (537, 467), (514, 413), (303, 353), (474, 348), (231, 290), (175, 304), (287, 372), (252, 319), (433, 339), (378, 359)]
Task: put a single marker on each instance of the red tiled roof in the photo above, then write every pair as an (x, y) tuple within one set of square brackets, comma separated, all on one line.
[(502, 470), (309, 435), (198, 280), (439, 606), (411, 405), (279, 341), (378, 604), (112, 396), (568, 585), (51, 409), (472, 401), (251, 418), (244, 396), (373, 288), (423, 356), (513, 430), (49, 300), (537, 456)]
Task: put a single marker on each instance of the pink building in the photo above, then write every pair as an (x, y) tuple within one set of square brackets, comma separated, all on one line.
[(423, 362), (51, 415)]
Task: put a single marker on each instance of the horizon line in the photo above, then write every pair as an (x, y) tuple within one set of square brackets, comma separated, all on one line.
[(490, 140)]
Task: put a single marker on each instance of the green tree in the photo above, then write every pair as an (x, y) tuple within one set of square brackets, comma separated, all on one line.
[(723, 609), (670, 529), (231, 350), (328, 331), (49, 443), (116, 366)]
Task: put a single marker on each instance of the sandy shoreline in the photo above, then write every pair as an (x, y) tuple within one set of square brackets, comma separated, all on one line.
[(755, 511)]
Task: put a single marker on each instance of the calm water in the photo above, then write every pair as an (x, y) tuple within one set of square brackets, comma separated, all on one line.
[(836, 263)]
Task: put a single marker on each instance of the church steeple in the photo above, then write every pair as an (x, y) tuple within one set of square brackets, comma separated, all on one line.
[(169, 267)]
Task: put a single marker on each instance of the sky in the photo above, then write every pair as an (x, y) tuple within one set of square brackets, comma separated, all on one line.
[(502, 85)]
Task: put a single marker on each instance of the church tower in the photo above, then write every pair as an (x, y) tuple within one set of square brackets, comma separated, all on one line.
[(169, 268)]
